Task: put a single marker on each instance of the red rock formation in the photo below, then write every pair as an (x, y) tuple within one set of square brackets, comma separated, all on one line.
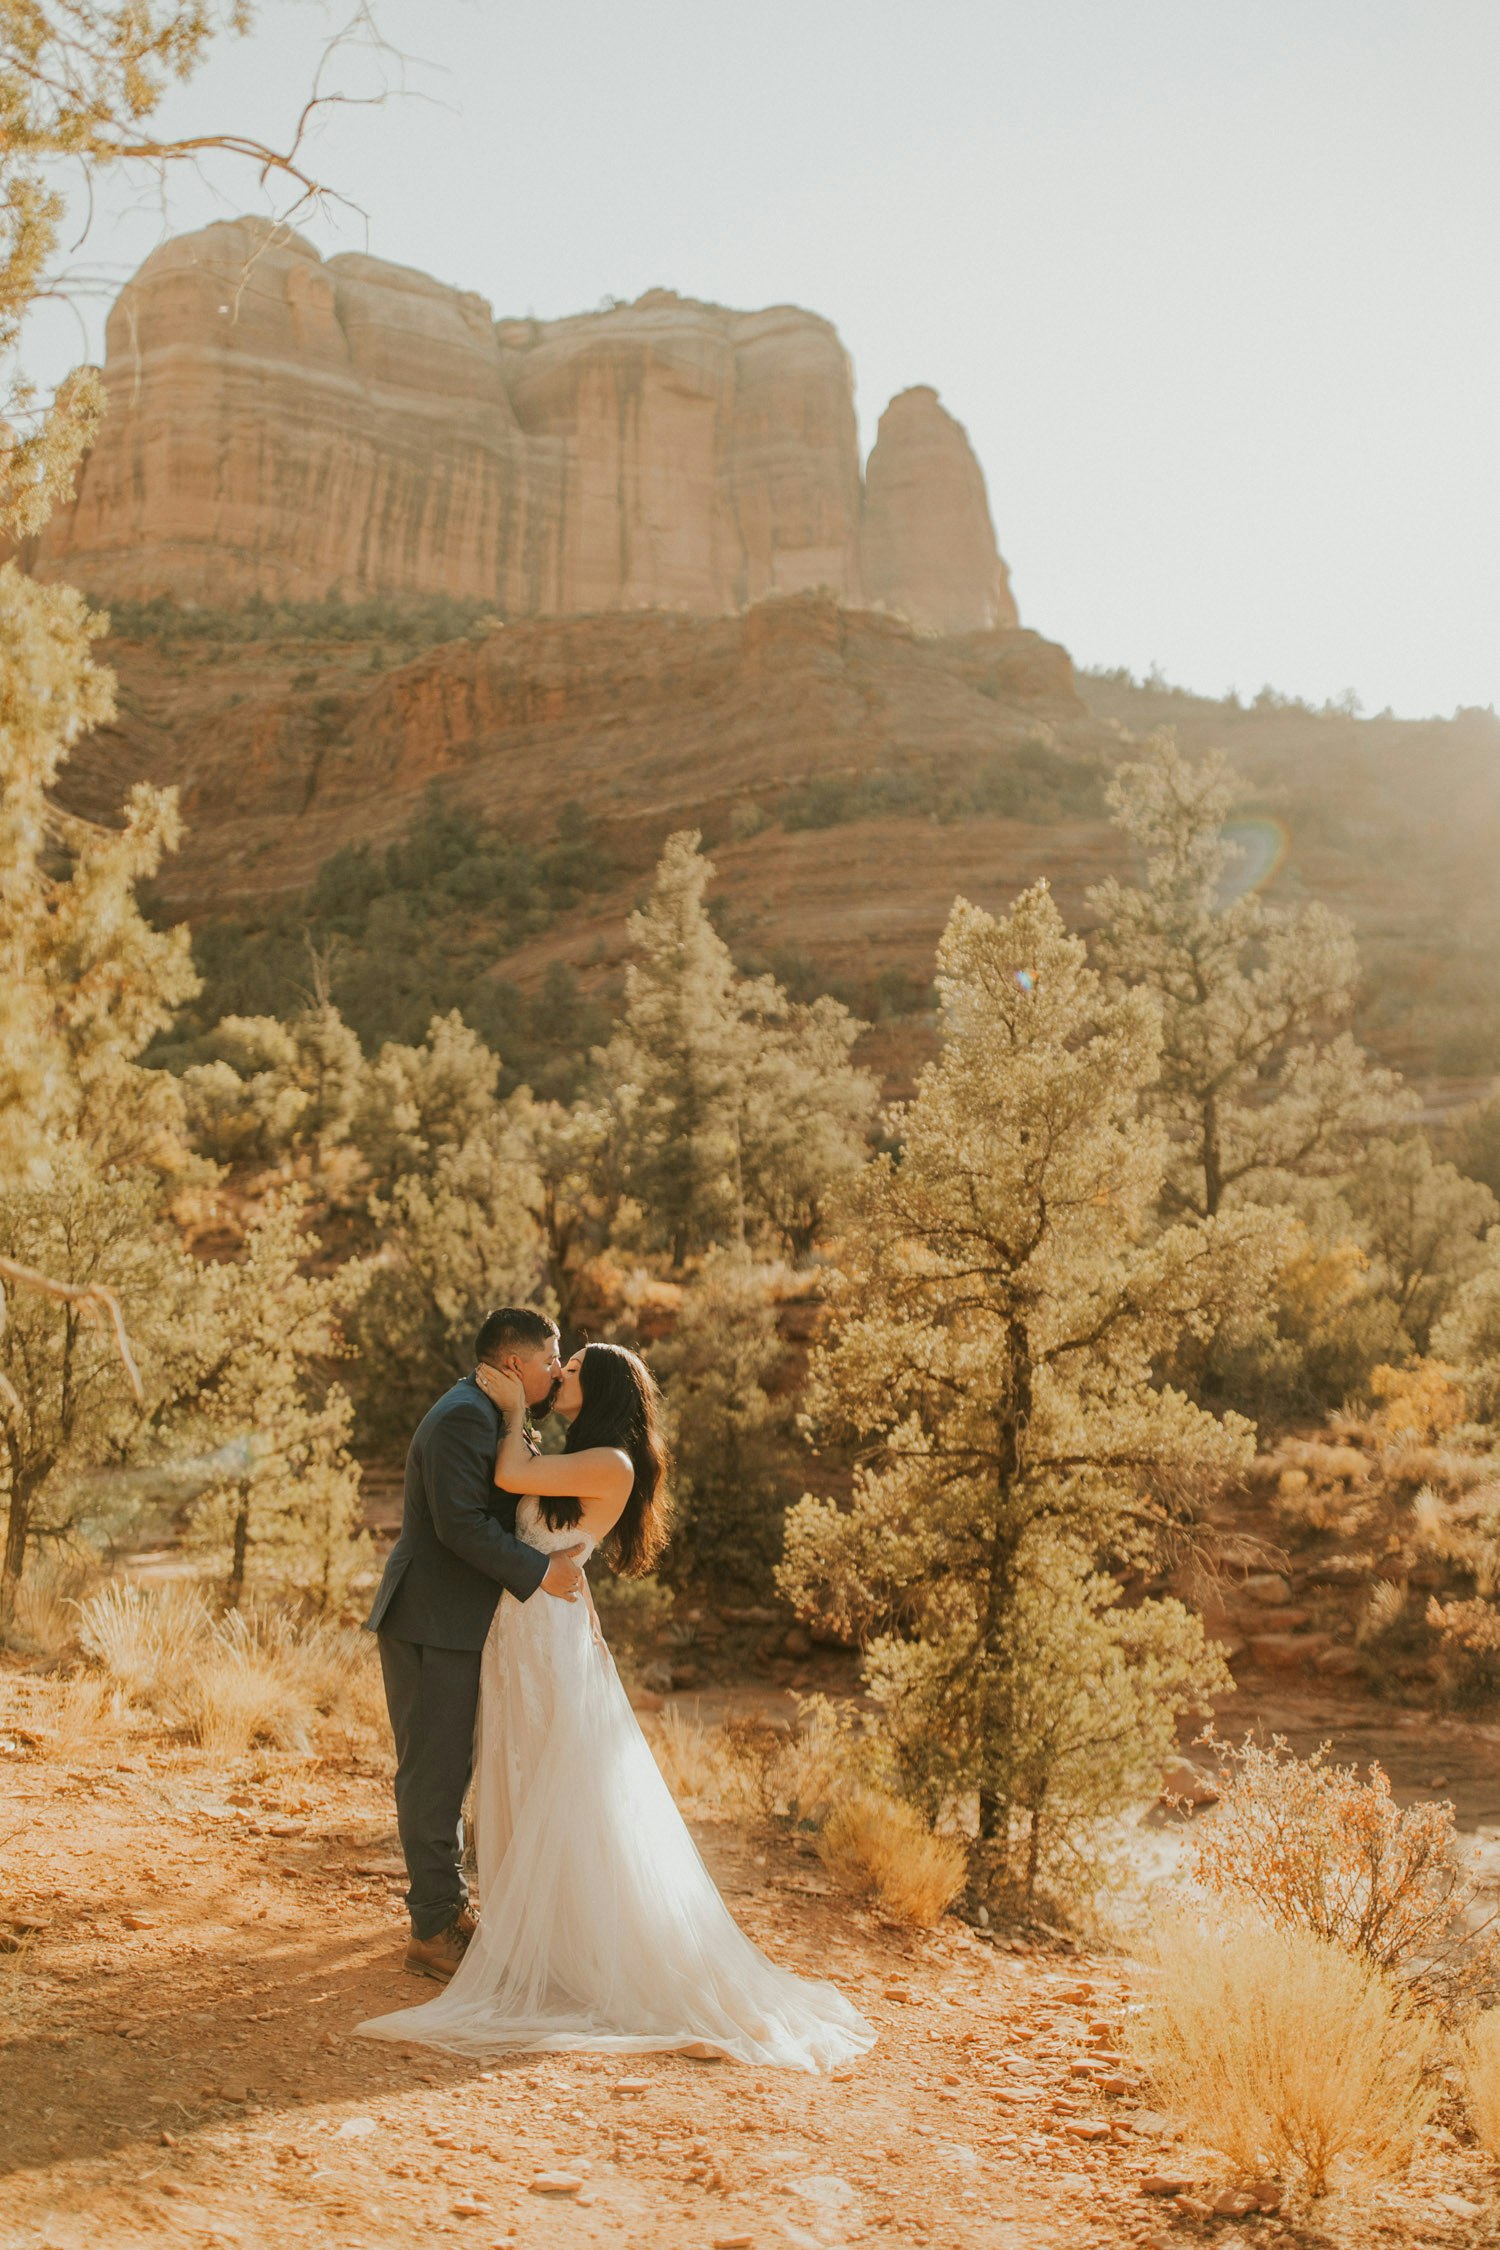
[(927, 546), (287, 426)]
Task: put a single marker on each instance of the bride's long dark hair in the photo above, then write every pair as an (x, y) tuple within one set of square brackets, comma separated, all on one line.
[(621, 1406)]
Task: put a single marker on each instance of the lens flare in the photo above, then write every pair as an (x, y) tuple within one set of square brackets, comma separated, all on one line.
[(1261, 845), (1024, 979)]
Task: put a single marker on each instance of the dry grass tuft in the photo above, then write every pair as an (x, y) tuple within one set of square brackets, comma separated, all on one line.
[(234, 1696), (142, 1638), (877, 1845), (41, 1619), (263, 1678), (1286, 2053), (698, 1766), (1481, 2069), (1385, 1605), (90, 1714)]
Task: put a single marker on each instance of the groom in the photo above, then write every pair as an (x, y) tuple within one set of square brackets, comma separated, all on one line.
[(457, 1553)]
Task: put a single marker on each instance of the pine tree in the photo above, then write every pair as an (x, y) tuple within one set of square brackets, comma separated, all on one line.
[(1257, 1089), (456, 1237), (419, 1101), (805, 1110), (268, 1092), (729, 1413), (283, 1511), (569, 1175), (678, 1061), (70, 1416), (1422, 1226), (84, 979), (1002, 1298), (739, 1107)]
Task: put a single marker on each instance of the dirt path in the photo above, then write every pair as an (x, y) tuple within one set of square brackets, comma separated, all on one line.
[(176, 2065)]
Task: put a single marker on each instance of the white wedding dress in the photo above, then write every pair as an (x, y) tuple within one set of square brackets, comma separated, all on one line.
[(600, 1925)]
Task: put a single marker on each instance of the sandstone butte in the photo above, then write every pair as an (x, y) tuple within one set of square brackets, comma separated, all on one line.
[(285, 425)]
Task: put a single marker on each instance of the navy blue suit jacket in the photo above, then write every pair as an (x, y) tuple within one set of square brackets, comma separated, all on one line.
[(458, 1550)]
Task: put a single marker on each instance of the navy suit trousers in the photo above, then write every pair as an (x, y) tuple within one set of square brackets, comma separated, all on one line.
[(432, 1695)]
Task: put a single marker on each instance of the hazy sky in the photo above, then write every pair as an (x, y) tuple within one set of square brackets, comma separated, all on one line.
[(1213, 286)]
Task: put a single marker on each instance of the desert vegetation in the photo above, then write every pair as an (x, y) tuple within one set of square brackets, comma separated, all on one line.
[(1004, 1393)]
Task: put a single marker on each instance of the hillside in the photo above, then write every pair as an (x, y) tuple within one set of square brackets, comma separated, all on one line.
[(849, 773)]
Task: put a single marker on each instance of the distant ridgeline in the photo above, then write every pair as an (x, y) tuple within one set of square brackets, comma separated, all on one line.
[(452, 814)]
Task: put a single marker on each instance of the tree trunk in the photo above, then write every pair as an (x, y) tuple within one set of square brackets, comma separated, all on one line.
[(17, 1531), (234, 1591), (1000, 1592), (1033, 1853), (1213, 1158)]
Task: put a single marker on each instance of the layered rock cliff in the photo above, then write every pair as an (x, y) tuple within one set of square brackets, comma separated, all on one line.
[(284, 425), (928, 546)]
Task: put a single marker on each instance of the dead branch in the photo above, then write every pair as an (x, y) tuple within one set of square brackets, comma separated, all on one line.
[(93, 1295)]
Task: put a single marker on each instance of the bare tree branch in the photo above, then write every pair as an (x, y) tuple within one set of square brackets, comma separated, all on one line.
[(92, 1294)]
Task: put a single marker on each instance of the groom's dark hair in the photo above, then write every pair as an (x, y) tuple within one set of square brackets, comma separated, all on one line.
[(512, 1327)]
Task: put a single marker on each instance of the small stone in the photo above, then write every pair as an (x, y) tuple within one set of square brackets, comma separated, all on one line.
[(1269, 2195), (1186, 1784), (469, 2207), (631, 2086), (1234, 2203), (1193, 2207), (173, 2187), (700, 2051), (1460, 2206), (1165, 2183), (1086, 2129), (1267, 1587), (1150, 2121), (734, 2242), (1113, 2083), (557, 2183), (139, 1921), (1337, 1570), (356, 2128), (1285, 1652)]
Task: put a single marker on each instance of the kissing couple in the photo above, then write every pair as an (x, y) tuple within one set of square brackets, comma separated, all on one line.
[(598, 1925)]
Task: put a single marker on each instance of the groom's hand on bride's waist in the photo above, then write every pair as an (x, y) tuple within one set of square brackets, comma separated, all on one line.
[(564, 1579)]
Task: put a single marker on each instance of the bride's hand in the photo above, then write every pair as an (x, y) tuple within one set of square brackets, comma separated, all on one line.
[(502, 1390)]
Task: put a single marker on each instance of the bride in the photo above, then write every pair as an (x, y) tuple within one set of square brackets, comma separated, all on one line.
[(600, 1925)]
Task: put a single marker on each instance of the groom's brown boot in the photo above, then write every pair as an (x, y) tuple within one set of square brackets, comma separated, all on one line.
[(439, 1956)]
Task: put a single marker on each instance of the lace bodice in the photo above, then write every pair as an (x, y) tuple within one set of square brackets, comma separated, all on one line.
[(532, 1526)]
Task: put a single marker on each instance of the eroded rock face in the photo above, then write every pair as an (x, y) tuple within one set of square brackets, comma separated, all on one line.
[(928, 545), (284, 425)]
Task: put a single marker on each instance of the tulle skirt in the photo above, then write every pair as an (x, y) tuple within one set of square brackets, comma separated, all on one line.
[(600, 1926)]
